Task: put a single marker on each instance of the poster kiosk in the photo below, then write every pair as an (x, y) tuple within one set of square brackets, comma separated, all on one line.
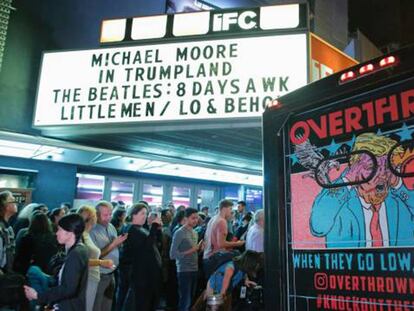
[(339, 190)]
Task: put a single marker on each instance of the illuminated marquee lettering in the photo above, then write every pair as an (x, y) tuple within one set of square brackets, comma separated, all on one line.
[(218, 51), (125, 58), (197, 80)]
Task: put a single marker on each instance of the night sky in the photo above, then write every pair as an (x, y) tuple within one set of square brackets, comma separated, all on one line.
[(387, 23)]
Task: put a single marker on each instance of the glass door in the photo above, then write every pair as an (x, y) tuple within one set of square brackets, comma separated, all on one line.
[(122, 190), (181, 195), (152, 193), (207, 196), (254, 199), (233, 193), (89, 189)]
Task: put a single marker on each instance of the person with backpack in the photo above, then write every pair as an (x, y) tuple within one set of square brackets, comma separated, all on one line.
[(70, 293)]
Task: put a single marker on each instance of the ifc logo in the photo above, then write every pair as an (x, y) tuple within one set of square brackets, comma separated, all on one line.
[(245, 20)]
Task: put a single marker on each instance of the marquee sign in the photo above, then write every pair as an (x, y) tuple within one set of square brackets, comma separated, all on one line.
[(195, 80)]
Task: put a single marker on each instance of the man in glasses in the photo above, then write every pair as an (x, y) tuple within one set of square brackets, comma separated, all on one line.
[(375, 212), (8, 208)]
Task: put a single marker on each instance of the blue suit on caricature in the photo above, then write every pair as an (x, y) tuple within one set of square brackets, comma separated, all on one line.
[(337, 214)]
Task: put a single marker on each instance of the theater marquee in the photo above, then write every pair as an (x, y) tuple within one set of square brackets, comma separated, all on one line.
[(184, 70), (231, 78)]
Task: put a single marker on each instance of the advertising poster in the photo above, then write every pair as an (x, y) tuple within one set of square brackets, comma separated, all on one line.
[(352, 203)]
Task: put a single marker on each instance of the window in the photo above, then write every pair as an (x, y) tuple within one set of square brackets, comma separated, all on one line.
[(152, 193), (254, 199), (122, 191), (205, 197), (16, 181), (90, 187), (181, 196), (231, 193)]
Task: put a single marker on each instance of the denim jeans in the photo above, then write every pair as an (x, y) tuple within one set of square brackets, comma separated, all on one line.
[(187, 285)]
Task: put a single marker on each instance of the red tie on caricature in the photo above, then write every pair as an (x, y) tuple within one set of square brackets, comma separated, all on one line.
[(375, 228)]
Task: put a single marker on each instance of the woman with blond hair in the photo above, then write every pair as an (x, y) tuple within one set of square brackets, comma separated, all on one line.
[(88, 213)]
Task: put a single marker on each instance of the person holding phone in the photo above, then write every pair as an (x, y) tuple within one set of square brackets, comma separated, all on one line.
[(140, 252), (105, 236), (184, 249)]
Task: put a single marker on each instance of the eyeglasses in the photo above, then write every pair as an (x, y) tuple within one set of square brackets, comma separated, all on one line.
[(322, 169), (405, 171)]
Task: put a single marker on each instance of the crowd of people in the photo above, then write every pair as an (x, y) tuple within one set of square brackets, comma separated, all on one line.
[(111, 257)]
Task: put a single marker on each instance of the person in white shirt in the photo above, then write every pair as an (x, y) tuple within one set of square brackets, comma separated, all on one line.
[(255, 234)]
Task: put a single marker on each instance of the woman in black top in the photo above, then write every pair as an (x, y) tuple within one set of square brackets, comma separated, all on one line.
[(69, 295), (37, 246), (141, 249)]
